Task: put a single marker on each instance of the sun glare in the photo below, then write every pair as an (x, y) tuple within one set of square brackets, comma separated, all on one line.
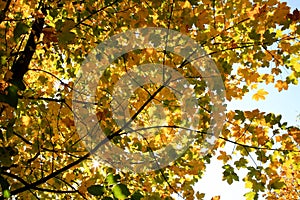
[(95, 163)]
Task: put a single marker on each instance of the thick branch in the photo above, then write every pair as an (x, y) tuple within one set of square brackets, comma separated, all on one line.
[(20, 67), (37, 188), (3, 12)]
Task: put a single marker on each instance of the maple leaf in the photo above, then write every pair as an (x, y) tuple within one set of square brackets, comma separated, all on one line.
[(295, 16), (44, 141), (224, 156), (281, 85), (260, 94), (216, 198)]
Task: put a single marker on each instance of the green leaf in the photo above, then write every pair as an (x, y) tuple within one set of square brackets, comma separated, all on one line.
[(258, 186), (6, 194), (253, 35), (239, 115), (113, 179), (12, 96), (12, 151), (59, 24), (107, 2), (3, 59), (9, 130), (4, 184), (53, 13), (20, 29), (277, 184), (43, 79), (108, 198), (269, 38), (136, 196), (241, 163), (229, 175), (96, 190), (193, 2), (5, 187), (18, 83), (120, 191)]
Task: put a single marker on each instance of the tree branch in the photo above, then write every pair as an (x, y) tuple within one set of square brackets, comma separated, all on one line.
[(205, 133), (56, 191), (20, 67), (3, 12), (109, 137), (95, 12)]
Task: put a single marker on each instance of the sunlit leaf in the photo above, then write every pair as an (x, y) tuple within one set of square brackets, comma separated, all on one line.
[(120, 191)]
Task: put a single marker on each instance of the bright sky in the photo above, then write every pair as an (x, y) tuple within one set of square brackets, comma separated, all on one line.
[(285, 103)]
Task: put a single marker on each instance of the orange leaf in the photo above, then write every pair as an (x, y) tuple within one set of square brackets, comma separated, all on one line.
[(281, 85), (224, 156), (216, 198)]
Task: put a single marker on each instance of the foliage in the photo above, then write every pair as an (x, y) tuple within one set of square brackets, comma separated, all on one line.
[(43, 44)]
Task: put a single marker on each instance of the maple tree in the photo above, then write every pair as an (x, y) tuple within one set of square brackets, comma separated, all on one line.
[(43, 45)]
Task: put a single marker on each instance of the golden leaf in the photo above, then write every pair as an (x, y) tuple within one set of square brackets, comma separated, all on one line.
[(260, 95), (216, 198)]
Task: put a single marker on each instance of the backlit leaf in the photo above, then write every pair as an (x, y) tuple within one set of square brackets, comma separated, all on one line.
[(120, 191), (261, 93)]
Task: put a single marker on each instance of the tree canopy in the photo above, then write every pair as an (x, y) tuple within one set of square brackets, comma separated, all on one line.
[(48, 146)]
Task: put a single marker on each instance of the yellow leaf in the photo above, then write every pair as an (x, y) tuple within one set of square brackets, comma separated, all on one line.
[(296, 64), (25, 120), (187, 4), (260, 95), (254, 86), (248, 184)]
